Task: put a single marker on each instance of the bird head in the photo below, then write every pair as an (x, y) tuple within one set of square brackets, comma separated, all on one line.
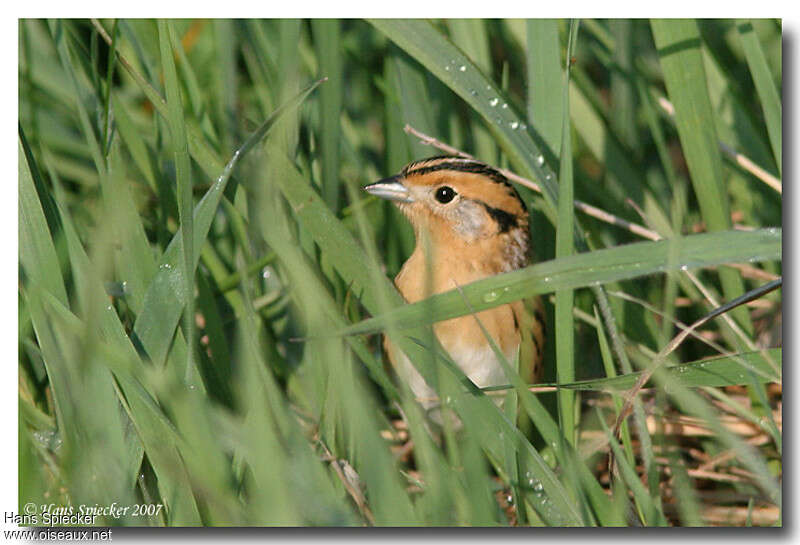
[(460, 203)]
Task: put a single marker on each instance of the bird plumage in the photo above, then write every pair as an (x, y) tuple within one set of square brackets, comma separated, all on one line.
[(469, 223)]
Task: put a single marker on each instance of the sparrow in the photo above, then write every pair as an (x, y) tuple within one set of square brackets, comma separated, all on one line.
[(469, 223)]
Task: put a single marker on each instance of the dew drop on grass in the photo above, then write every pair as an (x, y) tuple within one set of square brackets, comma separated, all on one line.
[(494, 102), (540, 160), (505, 105), (514, 125), (491, 296), (462, 68), (473, 92)]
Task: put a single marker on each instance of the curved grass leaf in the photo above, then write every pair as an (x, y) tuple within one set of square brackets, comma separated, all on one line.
[(586, 269), (445, 61), (734, 370)]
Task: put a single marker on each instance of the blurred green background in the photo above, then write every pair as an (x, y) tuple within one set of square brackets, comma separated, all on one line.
[(236, 395)]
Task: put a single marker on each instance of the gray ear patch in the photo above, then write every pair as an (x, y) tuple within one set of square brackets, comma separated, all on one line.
[(471, 219)]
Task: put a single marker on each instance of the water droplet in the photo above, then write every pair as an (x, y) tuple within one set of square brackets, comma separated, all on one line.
[(505, 105), (523, 126), (491, 296), (548, 177), (494, 102), (546, 279), (266, 273), (538, 487), (109, 307), (447, 68), (514, 125), (510, 499), (540, 160), (499, 120), (473, 92), (462, 68), (488, 87), (684, 267)]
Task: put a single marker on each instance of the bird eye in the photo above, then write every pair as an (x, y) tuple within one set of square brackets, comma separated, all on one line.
[(445, 194)]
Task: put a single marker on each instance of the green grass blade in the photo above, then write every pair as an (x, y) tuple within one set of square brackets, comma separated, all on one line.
[(471, 36), (37, 254), (765, 86), (586, 269), (183, 175), (679, 48), (735, 370), (424, 43), (545, 99), (565, 328), (327, 41)]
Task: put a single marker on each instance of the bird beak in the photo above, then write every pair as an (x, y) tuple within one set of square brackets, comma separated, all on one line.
[(391, 189)]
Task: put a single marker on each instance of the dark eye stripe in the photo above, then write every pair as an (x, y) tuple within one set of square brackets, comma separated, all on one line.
[(504, 220)]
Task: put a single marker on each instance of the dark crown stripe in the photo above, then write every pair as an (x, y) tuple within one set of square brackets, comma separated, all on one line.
[(447, 162)]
